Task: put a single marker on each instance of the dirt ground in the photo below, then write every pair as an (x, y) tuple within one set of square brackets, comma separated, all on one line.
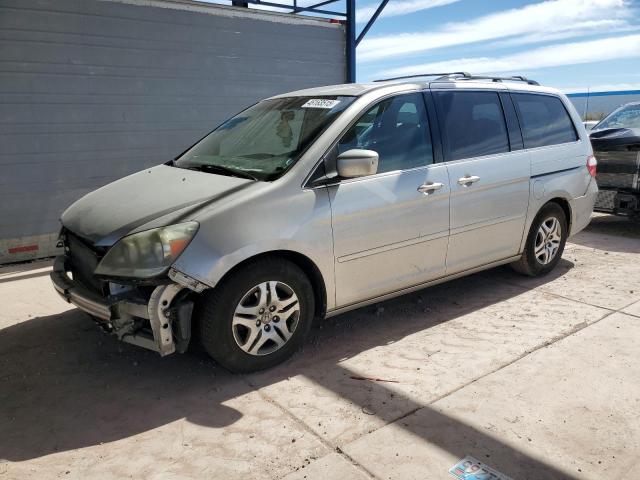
[(537, 378)]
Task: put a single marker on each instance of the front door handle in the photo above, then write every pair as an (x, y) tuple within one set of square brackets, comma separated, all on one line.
[(468, 180), (430, 187)]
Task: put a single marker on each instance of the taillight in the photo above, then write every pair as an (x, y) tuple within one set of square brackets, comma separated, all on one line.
[(592, 165)]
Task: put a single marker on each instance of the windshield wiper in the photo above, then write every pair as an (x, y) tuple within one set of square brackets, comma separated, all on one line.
[(260, 156), (210, 168)]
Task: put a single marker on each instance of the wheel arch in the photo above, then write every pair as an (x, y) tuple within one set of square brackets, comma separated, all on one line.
[(524, 264), (556, 198), (307, 265), (566, 207)]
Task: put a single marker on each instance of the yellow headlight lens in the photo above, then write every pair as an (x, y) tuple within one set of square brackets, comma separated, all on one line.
[(149, 253)]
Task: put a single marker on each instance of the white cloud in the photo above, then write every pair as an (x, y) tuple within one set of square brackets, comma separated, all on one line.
[(611, 87), (595, 27), (553, 17), (399, 7), (552, 56)]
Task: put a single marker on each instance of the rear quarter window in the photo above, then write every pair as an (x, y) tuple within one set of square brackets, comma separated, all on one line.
[(472, 123), (544, 120)]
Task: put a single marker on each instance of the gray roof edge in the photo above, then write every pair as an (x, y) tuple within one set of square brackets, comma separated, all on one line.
[(352, 89), (232, 12)]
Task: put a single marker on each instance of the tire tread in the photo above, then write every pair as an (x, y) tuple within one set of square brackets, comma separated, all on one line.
[(215, 303), (527, 263)]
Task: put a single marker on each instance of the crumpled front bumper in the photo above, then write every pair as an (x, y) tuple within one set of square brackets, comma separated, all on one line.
[(167, 311), (103, 308)]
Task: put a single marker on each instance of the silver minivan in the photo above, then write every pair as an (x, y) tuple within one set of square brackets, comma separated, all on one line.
[(312, 203)]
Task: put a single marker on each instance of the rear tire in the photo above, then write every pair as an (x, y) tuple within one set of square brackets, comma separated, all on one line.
[(258, 316), (545, 242)]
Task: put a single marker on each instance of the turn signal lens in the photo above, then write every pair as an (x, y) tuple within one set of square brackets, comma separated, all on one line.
[(592, 165)]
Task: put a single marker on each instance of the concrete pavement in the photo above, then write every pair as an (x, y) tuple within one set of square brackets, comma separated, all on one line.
[(538, 378)]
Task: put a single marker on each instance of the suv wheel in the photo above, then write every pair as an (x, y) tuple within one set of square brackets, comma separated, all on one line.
[(258, 317), (545, 243)]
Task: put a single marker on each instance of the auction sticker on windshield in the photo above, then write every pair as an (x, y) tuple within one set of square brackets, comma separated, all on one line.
[(321, 103), (471, 469)]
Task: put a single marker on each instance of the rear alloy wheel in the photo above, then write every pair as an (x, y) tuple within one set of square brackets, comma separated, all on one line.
[(545, 242), (548, 239), (258, 316)]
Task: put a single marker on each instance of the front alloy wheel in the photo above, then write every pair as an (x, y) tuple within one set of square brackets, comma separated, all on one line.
[(258, 316), (266, 317)]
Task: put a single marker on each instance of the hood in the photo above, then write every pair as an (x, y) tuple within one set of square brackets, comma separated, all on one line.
[(163, 193), (614, 138)]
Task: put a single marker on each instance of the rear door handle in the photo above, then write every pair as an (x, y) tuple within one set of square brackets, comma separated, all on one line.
[(468, 180), (430, 187)]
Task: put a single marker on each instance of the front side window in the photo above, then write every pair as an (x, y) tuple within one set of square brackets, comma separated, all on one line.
[(397, 129), (544, 120), (472, 124), (266, 139), (625, 117)]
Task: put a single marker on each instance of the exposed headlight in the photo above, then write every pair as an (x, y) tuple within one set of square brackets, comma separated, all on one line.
[(149, 253)]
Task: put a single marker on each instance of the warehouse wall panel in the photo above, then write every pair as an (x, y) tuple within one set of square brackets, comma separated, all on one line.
[(93, 90)]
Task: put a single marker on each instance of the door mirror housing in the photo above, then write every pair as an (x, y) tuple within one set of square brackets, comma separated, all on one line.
[(357, 163)]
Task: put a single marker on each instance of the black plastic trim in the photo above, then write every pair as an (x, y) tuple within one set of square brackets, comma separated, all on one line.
[(516, 142), (555, 171), (434, 126)]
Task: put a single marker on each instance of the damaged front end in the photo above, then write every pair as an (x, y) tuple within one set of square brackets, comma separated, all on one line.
[(618, 153), (154, 313)]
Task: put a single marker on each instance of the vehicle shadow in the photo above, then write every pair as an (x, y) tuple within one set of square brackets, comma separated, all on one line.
[(12, 278), (23, 271), (65, 385), (610, 233)]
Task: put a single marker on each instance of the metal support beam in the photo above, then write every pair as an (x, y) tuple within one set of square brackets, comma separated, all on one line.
[(304, 9), (351, 41), (350, 15), (371, 21), (297, 9)]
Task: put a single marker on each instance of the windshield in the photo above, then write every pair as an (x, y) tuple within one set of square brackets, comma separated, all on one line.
[(266, 139), (625, 117)]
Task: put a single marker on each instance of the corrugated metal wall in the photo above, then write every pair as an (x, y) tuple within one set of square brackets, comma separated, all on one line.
[(92, 90)]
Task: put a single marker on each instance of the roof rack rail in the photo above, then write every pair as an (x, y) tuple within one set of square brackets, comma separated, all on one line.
[(515, 78), (464, 76), (439, 75)]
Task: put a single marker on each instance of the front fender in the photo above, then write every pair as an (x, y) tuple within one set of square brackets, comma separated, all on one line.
[(298, 222)]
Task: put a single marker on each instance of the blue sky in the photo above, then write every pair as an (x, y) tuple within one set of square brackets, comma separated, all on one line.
[(568, 44)]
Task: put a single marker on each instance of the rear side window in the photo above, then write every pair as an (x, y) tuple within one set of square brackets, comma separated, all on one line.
[(544, 120), (472, 124), (397, 128)]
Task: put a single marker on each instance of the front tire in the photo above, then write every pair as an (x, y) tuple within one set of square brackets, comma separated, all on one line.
[(258, 316), (545, 242)]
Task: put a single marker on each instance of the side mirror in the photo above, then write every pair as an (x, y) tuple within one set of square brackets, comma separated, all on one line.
[(357, 163)]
